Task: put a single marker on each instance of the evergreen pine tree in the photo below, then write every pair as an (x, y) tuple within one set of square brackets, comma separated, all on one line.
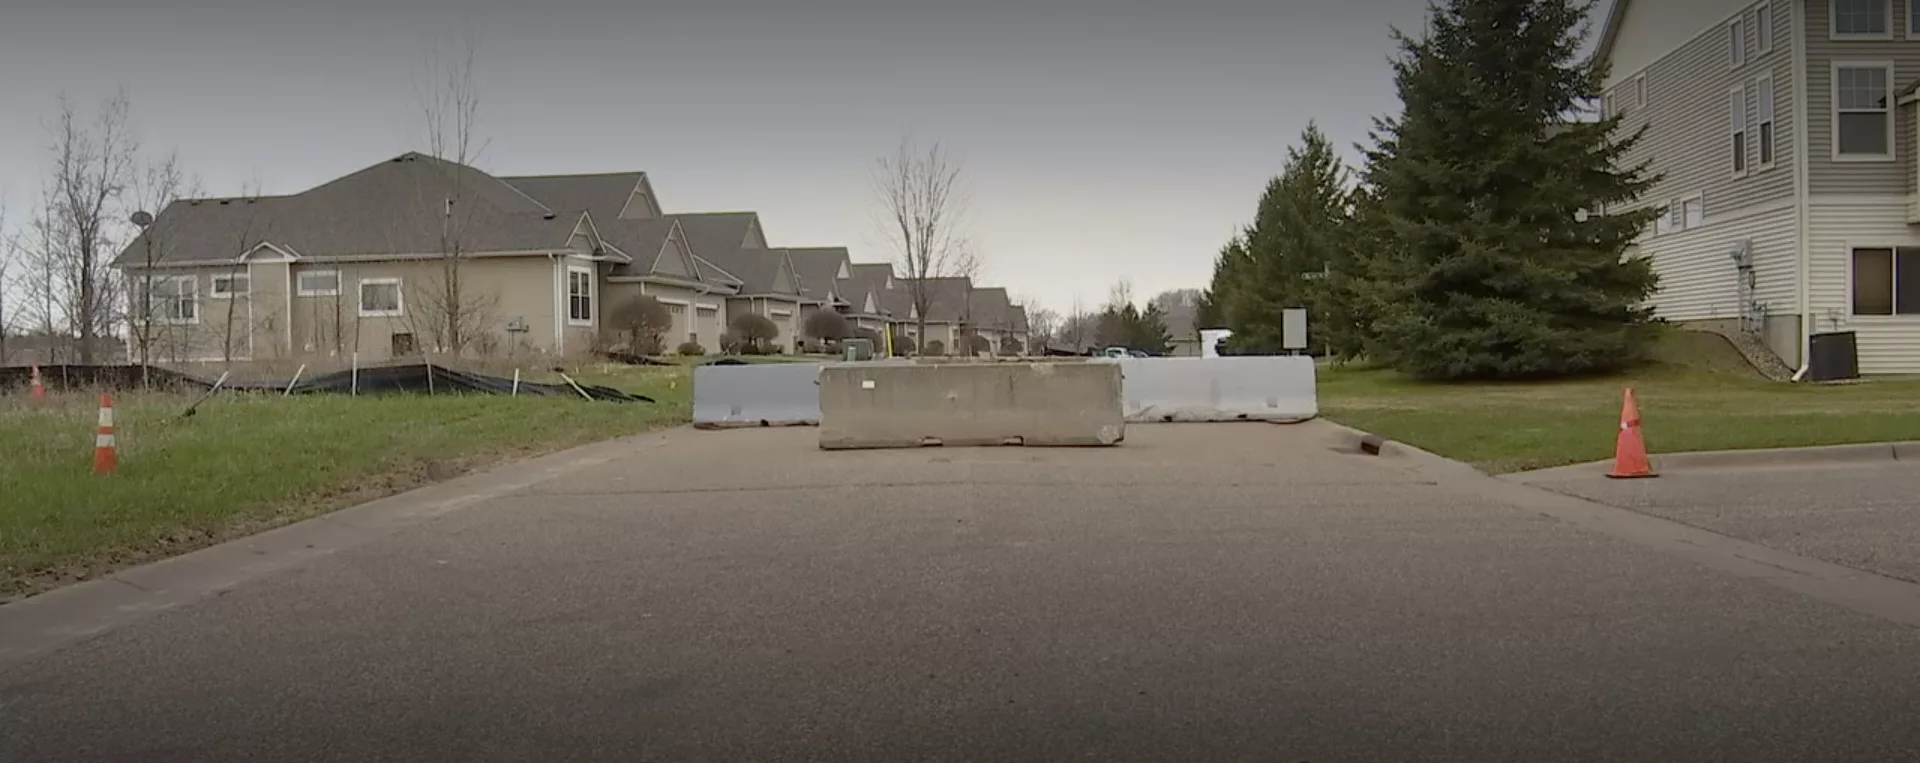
[(1150, 331), (1489, 271), (1295, 239), (1229, 270)]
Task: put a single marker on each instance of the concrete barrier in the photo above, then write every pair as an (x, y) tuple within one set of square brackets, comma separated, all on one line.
[(905, 406), (756, 395), (1236, 388)]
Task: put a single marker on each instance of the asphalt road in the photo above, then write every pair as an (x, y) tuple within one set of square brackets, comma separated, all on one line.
[(1865, 516), (1217, 593)]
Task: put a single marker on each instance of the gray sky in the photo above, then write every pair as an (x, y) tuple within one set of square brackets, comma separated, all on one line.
[(1101, 140)]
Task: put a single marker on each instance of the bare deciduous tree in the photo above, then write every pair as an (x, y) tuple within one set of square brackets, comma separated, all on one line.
[(92, 166), (451, 314), (921, 210), (9, 260), (155, 188)]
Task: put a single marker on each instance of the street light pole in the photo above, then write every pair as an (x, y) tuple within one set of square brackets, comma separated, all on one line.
[(144, 221)]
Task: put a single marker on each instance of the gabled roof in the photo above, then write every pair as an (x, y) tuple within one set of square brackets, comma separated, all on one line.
[(819, 269), (1610, 32), (717, 238), (397, 207), (602, 196), (947, 297), (990, 308)]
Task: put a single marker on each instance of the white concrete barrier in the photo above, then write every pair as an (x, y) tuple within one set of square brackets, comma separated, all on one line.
[(756, 395), (1235, 388)]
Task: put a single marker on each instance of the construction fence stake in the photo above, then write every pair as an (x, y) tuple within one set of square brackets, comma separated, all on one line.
[(296, 380)]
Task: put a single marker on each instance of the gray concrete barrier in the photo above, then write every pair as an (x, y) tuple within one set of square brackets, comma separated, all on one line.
[(1237, 388), (756, 395), (905, 406)]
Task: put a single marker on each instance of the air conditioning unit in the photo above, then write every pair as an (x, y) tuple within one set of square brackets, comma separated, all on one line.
[(517, 323), (1742, 253)]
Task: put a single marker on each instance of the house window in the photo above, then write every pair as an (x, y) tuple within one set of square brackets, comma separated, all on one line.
[(1763, 97), (319, 283), (676, 309), (1763, 29), (1863, 123), (1737, 128), (1913, 18), (174, 299), (1736, 42), (1886, 281), (1640, 91), (579, 296), (380, 297), (1862, 18), (1693, 212), (229, 286)]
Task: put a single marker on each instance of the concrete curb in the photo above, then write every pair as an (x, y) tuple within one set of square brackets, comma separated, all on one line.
[(1852, 453), (64, 616), (1394, 449)]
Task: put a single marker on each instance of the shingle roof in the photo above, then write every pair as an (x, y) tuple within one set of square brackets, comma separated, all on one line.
[(819, 269), (990, 308), (640, 239), (602, 196), (396, 207), (717, 238), (946, 297)]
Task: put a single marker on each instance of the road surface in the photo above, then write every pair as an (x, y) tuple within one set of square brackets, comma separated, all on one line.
[(1203, 592)]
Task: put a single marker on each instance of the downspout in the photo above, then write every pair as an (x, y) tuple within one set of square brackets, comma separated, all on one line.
[(1802, 193), (559, 299)]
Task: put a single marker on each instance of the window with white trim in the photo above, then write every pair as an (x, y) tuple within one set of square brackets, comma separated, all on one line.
[(1736, 42), (1862, 113), (1763, 29), (174, 299), (1640, 91), (1886, 281), (318, 283), (1763, 118), (1913, 18), (1737, 128), (1861, 18), (580, 296), (227, 285), (1693, 212), (381, 297)]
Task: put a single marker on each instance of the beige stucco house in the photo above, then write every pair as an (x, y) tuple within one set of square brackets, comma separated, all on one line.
[(419, 255)]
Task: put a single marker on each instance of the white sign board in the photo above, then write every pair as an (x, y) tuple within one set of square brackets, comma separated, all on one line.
[(1293, 328)]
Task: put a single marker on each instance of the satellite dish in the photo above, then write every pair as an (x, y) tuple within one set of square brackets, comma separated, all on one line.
[(142, 219)]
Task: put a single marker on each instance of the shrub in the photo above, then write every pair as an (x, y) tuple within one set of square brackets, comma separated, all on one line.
[(903, 345), (1009, 345), (825, 325), (976, 344), (936, 347), (753, 330), (641, 321), (692, 348)]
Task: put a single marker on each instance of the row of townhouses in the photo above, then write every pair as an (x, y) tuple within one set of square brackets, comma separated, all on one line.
[(358, 266), (1785, 133)]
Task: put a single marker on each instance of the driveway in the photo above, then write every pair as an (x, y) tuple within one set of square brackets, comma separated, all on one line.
[(1861, 515), (1203, 592)]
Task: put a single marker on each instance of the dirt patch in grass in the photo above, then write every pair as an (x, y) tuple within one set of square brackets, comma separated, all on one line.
[(247, 463)]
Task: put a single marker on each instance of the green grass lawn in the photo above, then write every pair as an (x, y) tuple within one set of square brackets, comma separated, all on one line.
[(1693, 400), (247, 462)]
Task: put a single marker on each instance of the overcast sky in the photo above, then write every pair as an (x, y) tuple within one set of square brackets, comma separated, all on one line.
[(1102, 140)]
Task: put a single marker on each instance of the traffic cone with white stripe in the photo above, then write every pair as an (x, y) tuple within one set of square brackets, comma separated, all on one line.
[(1629, 448), (105, 460), (39, 389)]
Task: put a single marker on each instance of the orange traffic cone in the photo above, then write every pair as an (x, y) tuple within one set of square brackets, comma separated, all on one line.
[(1630, 450), (104, 458), (39, 389)]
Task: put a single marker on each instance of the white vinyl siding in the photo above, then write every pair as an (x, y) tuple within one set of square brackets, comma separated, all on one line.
[(1861, 19), (1889, 344), (381, 297), (1863, 111)]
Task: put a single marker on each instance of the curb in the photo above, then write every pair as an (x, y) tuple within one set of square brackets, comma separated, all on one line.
[(1852, 453), (1364, 442)]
